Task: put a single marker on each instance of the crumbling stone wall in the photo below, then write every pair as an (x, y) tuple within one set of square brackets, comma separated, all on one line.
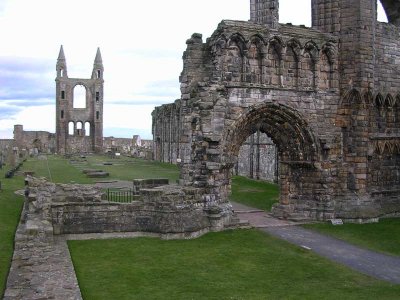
[(34, 142), (326, 96), (73, 209), (121, 145), (256, 159)]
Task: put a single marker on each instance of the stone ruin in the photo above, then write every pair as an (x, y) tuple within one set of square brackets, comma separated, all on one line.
[(41, 266), (79, 126), (328, 96), (54, 209)]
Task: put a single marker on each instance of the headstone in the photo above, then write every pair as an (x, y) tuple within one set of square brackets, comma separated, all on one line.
[(336, 222)]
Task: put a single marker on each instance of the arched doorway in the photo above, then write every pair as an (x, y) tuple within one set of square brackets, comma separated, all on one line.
[(301, 181)]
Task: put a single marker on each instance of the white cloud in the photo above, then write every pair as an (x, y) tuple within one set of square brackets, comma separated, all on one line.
[(128, 116), (141, 43)]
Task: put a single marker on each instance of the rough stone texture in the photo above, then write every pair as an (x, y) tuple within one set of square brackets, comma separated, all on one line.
[(326, 96), (41, 269), (74, 208), (257, 158), (140, 184), (6, 148), (121, 145), (34, 142)]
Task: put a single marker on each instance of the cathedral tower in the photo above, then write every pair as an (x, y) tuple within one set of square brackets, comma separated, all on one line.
[(79, 127)]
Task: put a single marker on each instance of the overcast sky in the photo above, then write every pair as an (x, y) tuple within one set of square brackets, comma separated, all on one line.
[(141, 44)]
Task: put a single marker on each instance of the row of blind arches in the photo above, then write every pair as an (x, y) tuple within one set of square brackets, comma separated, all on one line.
[(79, 129)]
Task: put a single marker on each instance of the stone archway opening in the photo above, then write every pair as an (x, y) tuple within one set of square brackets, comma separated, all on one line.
[(257, 158), (300, 180)]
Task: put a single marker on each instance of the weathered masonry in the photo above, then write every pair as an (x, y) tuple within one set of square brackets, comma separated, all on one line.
[(256, 158), (327, 96), (79, 124)]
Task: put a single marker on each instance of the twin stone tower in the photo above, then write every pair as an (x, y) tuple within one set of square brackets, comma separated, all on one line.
[(79, 126)]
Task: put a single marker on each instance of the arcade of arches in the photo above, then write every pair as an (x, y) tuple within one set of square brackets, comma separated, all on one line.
[(327, 96)]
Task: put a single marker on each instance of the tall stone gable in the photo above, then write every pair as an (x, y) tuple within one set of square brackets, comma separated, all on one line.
[(328, 96), (79, 130)]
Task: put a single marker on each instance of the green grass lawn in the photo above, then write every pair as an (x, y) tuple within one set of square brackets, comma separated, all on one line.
[(56, 169), (62, 170), (254, 193), (10, 211), (125, 168), (240, 264), (382, 237), (228, 265)]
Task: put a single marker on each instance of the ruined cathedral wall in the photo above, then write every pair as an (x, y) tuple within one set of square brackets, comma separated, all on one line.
[(387, 54), (167, 143), (258, 158), (32, 141), (384, 116), (247, 69), (293, 65)]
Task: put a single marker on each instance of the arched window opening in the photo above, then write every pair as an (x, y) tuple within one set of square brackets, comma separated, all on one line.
[(79, 126), (71, 128), (287, 9), (382, 17), (291, 68), (97, 115), (325, 72), (87, 129), (308, 70), (63, 95), (273, 65), (254, 71), (62, 114), (233, 64), (61, 72), (98, 74), (79, 96)]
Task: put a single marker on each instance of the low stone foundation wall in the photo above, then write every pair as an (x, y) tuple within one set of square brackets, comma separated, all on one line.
[(41, 266), (121, 217), (76, 209)]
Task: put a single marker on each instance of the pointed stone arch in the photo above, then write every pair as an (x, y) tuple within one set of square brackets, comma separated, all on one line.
[(233, 62), (274, 62), (283, 124), (296, 146), (309, 63), (80, 96), (327, 60), (291, 66), (254, 59)]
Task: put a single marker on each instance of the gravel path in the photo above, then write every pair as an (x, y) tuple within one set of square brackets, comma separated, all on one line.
[(380, 266)]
